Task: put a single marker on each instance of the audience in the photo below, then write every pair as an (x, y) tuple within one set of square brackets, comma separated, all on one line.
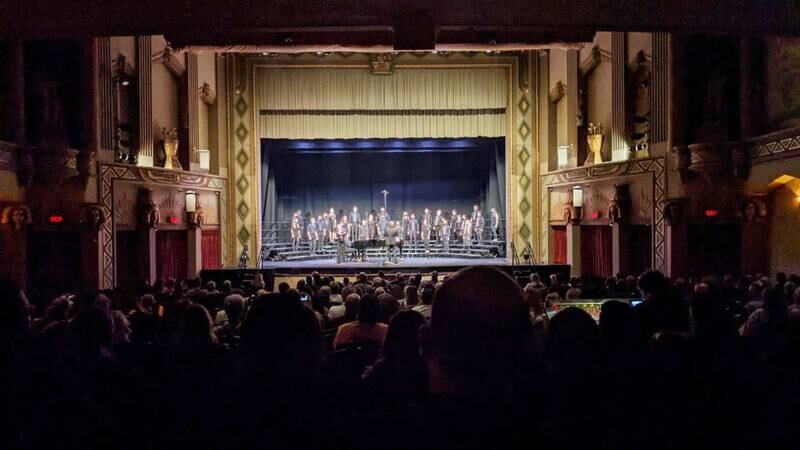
[(366, 329), (468, 360)]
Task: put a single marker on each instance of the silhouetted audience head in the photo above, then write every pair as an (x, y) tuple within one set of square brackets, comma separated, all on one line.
[(573, 339), (195, 328), (389, 307), (617, 322), (281, 336), (426, 294), (410, 296), (653, 283), (479, 326), (368, 309), (402, 341), (234, 308)]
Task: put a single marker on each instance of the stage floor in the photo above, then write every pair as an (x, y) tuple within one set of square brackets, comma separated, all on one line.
[(376, 263)]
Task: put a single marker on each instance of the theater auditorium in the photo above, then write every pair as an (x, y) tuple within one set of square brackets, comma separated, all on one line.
[(399, 224)]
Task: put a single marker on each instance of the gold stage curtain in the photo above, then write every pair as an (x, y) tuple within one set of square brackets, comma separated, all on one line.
[(342, 103)]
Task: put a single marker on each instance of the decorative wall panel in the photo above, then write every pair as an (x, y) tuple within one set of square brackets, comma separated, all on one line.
[(649, 207), (117, 191)]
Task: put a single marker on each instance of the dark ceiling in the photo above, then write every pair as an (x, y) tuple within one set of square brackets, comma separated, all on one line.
[(398, 24)]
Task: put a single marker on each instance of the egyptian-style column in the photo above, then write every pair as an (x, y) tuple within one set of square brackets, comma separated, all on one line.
[(572, 109), (144, 48), (619, 125), (105, 93), (192, 109)]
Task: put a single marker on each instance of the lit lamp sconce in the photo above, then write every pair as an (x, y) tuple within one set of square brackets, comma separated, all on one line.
[(577, 204), (204, 158), (191, 208), (562, 156)]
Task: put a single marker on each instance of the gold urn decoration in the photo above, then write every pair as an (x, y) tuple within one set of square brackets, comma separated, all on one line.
[(594, 138), (171, 149)]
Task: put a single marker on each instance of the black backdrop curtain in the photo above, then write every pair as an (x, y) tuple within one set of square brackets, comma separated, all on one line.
[(315, 175)]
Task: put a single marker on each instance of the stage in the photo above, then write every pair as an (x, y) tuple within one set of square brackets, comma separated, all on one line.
[(329, 265)]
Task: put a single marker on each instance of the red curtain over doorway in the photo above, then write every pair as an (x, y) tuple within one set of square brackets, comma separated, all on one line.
[(559, 245), (596, 256), (171, 254), (211, 249)]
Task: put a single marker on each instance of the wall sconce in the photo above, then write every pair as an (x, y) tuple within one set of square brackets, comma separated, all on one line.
[(562, 156), (204, 158), (191, 208), (191, 201), (577, 196), (577, 205)]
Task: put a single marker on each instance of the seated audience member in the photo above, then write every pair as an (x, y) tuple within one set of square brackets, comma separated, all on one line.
[(345, 313), (55, 320), (366, 329), (336, 297), (397, 286), (426, 308), (410, 298), (474, 348), (660, 310), (399, 377), (535, 282), (337, 308), (283, 287), (572, 353), (227, 288), (211, 288), (389, 307), (195, 332), (770, 320), (794, 308), (536, 308), (258, 282), (573, 293), (143, 322), (228, 333)]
